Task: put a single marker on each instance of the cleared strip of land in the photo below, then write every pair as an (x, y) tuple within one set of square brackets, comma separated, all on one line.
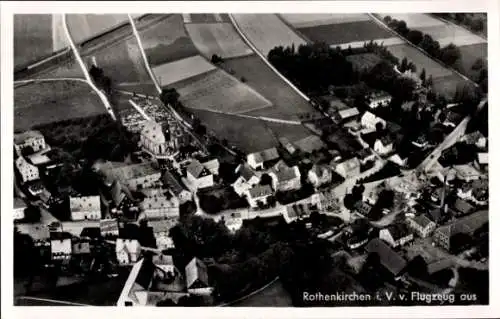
[(305, 20), (182, 69)]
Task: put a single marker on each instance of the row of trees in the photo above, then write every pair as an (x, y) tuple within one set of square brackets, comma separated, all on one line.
[(475, 21), (449, 55)]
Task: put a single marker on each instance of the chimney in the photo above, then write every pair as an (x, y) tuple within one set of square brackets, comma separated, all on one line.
[(443, 194)]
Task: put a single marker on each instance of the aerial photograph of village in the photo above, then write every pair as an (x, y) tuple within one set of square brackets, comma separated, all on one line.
[(251, 160)]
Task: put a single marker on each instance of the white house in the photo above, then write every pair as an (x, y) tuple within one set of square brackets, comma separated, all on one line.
[(396, 159), (19, 207), (27, 171), (467, 172), (476, 138), (127, 250), (258, 194), (422, 225), (33, 139), (383, 145), (285, 178), (319, 175), (212, 166), (247, 178), (258, 159), (179, 191), (85, 207), (396, 235), (349, 168), (60, 245), (369, 121), (159, 207), (379, 99), (199, 176)]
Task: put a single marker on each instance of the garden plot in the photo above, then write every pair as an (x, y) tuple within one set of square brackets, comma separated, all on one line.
[(267, 31), (33, 38), (43, 103), (83, 27), (364, 60), (359, 31), (217, 38), (220, 92), (167, 41), (182, 69), (360, 44), (415, 20), (305, 20)]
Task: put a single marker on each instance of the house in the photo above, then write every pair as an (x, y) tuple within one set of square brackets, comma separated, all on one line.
[(349, 168), (196, 276), (467, 172), (258, 194), (369, 121), (247, 178), (19, 207), (133, 177), (422, 225), (27, 171), (33, 139), (176, 187), (389, 259), (461, 207), (365, 155), (379, 99), (345, 115), (436, 215), (285, 178), (38, 159), (466, 225), (60, 245), (481, 162), (259, 159), (383, 145), (310, 144), (81, 247), (212, 166), (289, 147), (396, 235), (198, 175), (319, 175), (109, 227), (398, 160), (165, 263), (161, 228), (475, 138), (363, 208), (159, 206), (85, 207), (154, 139), (127, 250), (296, 211)]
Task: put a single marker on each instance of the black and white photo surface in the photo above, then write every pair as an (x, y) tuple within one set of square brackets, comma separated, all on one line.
[(250, 159)]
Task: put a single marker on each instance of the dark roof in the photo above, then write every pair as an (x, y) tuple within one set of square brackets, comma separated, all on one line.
[(467, 224), (363, 153), (362, 207), (196, 270), (435, 215), (462, 206), (60, 235), (173, 183), (386, 140), (398, 231), (129, 231), (91, 232), (422, 220), (195, 168), (260, 190), (245, 171), (145, 274), (283, 172), (391, 260)]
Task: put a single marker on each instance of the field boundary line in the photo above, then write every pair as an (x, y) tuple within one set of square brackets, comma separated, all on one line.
[(261, 118), (294, 29), (250, 44), (140, 110), (101, 95), (377, 20)]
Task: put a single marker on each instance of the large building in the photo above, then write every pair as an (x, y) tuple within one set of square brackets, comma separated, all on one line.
[(247, 178), (396, 235), (466, 225), (258, 160), (85, 207), (159, 206), (349, 168), (27, 171), (133, 176), (33, 139), (319, 175), (422, 225), (258, 195), (199, 176), (285, 178), (161, 141), (176, 187)]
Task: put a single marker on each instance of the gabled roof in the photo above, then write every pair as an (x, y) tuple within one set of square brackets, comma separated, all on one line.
[(212, 166), (310, 144), (350, 164), (482, 158), (260, 191), (195, 168), (398, 231), (285, 173), (245, 171), (269, 154), (467, 224), (173, 183), (422, 220), (154, 131), (385, 140), (22, 137), (91, 232), (391, 260), (462, 206), (196, 270), (347, 113)]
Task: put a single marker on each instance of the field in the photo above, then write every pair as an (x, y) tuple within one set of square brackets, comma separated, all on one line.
[(287, 103), (182, 69), (470, 53), (43, 103), (267, 31), (447, 85), (206, 18), (217, 38), (359, 31), (306, 20), (32, 37), (121, 61), (68, 69), (220, 92), (85, 26), (167, 41), (249, 135), (364, 60), (420, 60)]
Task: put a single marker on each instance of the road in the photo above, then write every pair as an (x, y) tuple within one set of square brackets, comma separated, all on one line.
[(451, 139)]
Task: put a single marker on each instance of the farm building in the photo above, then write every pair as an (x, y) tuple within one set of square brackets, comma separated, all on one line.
[(259, 159)]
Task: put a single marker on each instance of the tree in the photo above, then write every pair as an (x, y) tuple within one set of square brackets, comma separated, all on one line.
[(169, 96), (450, 54), (415, 36), (216, 59), (423, 75), (478, 64), (404, 64), (412, 67), (387, 19), (429, 45)]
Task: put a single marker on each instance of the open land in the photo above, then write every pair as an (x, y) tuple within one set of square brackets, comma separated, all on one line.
[(267, 31), (218, 91), (249, 135), (172, 72), (217, 38), (32, 37), (85, 26), (287, 103), (470, 53), (68, 69), (43, 103), (167, 41), (207, 18), (346, 32), (306, 20), (273, 295)]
